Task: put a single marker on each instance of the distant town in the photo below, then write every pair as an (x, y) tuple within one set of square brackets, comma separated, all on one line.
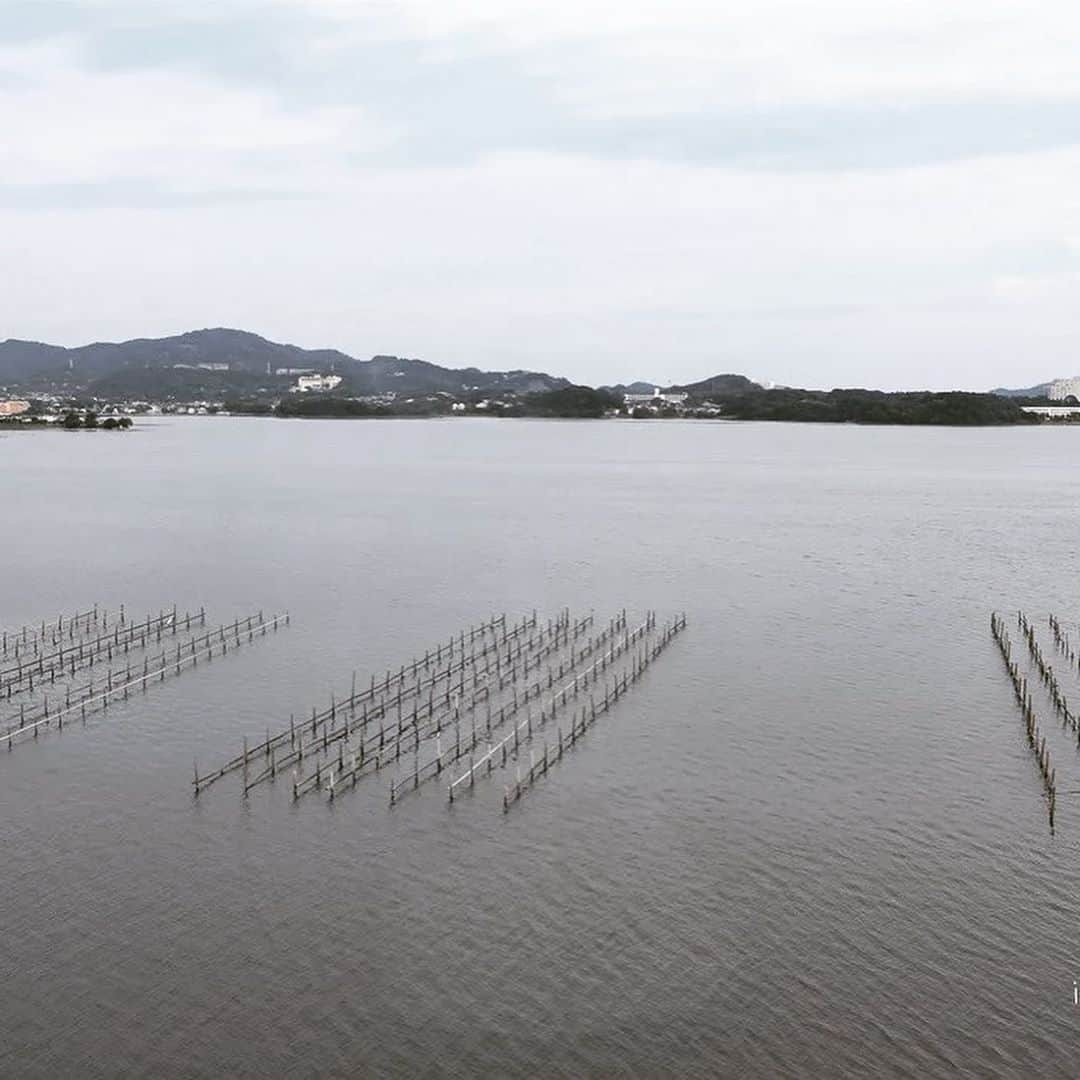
[(53, 409), (223, 372)]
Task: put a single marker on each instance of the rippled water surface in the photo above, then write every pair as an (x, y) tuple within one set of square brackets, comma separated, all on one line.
[(810, 842)]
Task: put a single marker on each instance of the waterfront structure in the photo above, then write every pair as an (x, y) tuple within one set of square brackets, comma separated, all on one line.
[(13, 407), (1052, 412)]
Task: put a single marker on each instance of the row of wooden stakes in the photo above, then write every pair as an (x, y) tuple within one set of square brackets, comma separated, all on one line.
[(1046, 672), (583, 679), (1036, 741), (495, 679), (352, 764), (502, 664), (1063, 642), (83, 654), (31, 640), (117, 684), (361, 708), (579, 724)]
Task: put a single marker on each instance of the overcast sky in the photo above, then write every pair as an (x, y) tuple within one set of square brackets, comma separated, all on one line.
[(815, 192)]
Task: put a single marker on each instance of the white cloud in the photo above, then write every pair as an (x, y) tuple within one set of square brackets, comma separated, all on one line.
[(663, 272), (1038, 291), (64, 123), (639, 55)]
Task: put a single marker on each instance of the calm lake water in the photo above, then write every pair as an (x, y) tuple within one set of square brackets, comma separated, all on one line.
[(811, 842)]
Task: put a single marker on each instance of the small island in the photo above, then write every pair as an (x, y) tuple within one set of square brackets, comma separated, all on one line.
[(23, 414), (89, 421)]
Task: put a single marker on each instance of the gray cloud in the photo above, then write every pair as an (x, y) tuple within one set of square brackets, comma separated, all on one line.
[(124, 193), (445, 128), (454, 109)]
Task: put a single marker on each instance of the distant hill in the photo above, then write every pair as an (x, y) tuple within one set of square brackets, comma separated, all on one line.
[(383, 374), (1039, 391), (715, 384), (223, 361), (238, 349), (723, 385), (628, 388), (857, 406)]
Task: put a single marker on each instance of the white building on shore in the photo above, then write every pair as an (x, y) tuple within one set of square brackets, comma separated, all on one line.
[(1060, 389), (317, 382), (657, 397)]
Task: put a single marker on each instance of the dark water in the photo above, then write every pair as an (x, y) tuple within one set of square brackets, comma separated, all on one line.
[(811, 842)]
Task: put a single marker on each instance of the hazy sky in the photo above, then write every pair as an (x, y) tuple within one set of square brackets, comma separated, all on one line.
[(817, 192)]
